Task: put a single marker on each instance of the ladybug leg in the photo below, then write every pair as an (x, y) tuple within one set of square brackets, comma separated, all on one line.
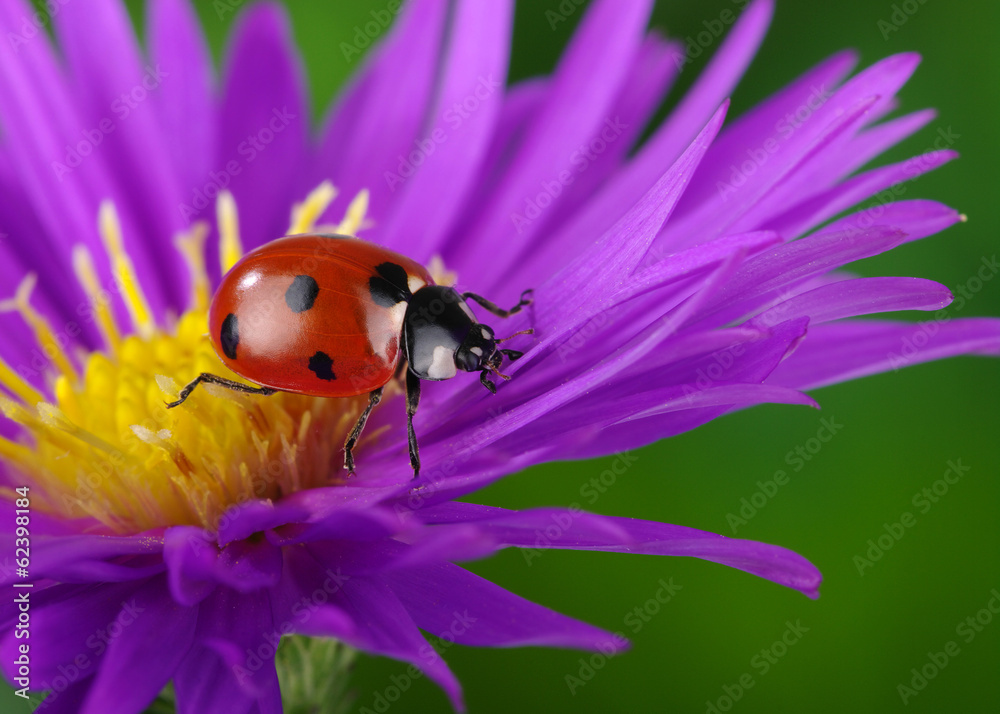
[(484, 378), (207, 378), (373, 399), (526, 299), (412, 401), (513, 355)]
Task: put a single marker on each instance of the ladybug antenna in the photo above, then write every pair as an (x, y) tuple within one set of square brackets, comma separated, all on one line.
[(497, 372), (494, 365), (529, 331)]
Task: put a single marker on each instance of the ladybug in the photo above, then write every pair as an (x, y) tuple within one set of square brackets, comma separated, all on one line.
[(335, 316)]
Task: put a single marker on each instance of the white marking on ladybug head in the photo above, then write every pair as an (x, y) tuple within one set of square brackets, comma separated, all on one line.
[(414, 283), (442, 364), (477, 351)]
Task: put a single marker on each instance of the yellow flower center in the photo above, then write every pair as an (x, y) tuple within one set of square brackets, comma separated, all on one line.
[(106, 447)]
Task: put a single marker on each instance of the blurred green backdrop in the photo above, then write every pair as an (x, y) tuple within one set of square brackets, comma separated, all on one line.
[(900, 430)]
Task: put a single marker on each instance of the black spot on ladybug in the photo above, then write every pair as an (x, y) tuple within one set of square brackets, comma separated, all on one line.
[(390, 287), (301, 294), (229, 336), (322, 365)]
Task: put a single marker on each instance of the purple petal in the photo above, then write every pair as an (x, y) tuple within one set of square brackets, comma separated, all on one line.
[(506, 423), (917, 219), (753, 128), (766, 561), (765, 276), (468, 106), (205, 683), (66, 621), (594, 273), (263, 124), (520, 104), (386, 628), (155, 631), (673, 137), (636, 536), (458, 606), (738, 206), (245, 519), (759, 358), (85, 558), (735, 396), (37, 107), (714, 85), (196, 565), (108, 72), (691, 391), (185, 107), (869, 144), (437, 545), (863, 296), (837, 352), (580, 95), (687, 263), (190, 558), (303, 602), (647, 83), (381, 118), (231, 667), (19, 218), (830, 203), (862, 95), (372, 523), (509, 527), (319, 503)]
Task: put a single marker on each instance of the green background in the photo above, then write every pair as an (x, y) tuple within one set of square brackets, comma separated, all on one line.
[(899, 430)]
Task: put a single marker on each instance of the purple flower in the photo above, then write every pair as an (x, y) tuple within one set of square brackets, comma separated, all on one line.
[(699, 275)]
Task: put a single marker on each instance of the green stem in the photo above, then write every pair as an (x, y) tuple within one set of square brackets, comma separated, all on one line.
[(313, 674)]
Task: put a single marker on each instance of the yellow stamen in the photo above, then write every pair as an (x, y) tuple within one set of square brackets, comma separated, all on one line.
[(355, 216), (14, 452), (191, 244), (83, 266), (12, 381), (305, 214), (111, 232), (106, 448), (230, 246), (54, 418), (44, 335), (438, 271), (66, 396), (159, 438), (15, 412)]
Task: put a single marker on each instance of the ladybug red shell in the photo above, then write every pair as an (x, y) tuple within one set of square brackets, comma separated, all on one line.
[(334, 316), (315, 315)]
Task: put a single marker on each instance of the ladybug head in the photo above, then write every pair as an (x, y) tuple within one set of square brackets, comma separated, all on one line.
[(441, 336), (477, 350)]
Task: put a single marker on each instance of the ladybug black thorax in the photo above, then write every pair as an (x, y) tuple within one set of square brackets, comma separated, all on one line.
[(441, 335)]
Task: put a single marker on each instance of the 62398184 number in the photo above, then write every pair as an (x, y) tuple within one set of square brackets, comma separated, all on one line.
[(22, 553)]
